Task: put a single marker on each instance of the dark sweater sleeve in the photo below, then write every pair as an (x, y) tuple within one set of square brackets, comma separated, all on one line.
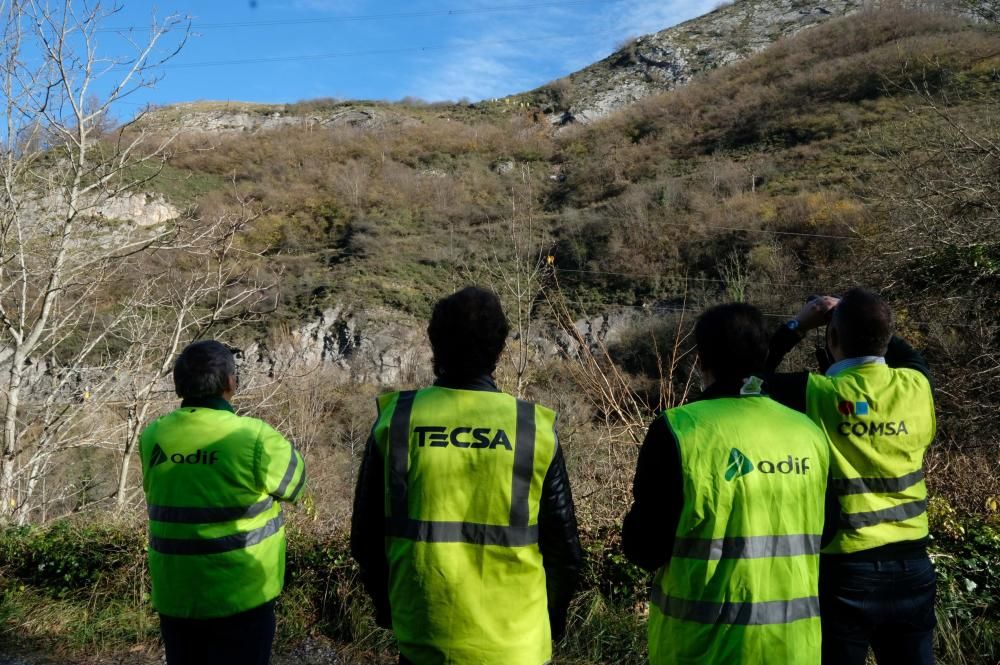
[(368, 532), (788, 388), (559, 542), (650, 526), (901, 355)]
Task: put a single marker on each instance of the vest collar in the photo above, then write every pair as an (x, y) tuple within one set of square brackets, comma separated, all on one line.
[(847, 363), (484, 383), (725, 388), (216, 403)]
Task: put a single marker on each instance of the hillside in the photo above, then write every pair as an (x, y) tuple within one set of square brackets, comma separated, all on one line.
[(652, 64), (766, 179), (862, 150), (768, 176)]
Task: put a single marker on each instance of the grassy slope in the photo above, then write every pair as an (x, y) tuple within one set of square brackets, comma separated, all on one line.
[(399, 213), (690, 184)]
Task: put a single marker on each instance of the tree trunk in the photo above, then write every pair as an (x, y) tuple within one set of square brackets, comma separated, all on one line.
[(8, 490)]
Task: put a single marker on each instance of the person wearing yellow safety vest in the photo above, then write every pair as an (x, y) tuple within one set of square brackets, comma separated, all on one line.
[(877, 584), (728, 512), (213, 483), (463, 518)]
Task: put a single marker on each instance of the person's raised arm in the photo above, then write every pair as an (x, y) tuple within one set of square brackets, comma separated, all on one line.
[(789, 388), (900, 355)]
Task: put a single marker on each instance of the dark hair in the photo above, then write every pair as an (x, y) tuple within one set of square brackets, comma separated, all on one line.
[(202, 369), (862, 324), (468, 331), (732, 341)]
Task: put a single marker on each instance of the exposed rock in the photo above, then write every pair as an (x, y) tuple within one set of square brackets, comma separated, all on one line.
[(140, 209), (503, 167), (241, 117), (665, 60), (373, 346)]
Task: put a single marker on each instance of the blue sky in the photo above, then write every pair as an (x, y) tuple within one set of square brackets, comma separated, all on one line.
[(431, 49)]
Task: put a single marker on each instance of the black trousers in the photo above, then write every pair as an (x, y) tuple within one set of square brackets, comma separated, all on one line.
[(241, 639), (888, 605)]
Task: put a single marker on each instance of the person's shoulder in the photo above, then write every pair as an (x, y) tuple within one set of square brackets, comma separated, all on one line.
[(538, 405), (161, 420), (910, 374), (792, 416), (250, 424)]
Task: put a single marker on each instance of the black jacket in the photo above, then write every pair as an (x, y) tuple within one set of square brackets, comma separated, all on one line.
[(658, 491), (559, 543), (789, 388)]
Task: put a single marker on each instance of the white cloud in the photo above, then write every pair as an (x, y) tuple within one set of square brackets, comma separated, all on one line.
[(497, 56), (472, 75), (642, 17)]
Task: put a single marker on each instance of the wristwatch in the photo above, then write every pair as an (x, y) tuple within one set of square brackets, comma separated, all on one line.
[(794, 326)]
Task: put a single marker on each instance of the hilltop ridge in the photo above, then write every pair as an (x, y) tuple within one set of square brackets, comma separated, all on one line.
[(664, 60)]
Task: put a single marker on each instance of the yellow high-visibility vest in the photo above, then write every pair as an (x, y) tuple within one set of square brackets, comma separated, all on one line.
[(216, 536), (742, 582), (880, 421), (464, 474)]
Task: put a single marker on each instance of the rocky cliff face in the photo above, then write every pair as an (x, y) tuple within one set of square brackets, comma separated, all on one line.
[(238, 117), (369, 346), (663, 61)]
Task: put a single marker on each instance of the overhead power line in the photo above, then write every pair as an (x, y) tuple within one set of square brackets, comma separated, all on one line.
[(680, 309), (686, 279), (386, 51), (527, 7)]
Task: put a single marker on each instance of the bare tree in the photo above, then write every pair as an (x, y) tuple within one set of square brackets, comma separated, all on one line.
[(517, 270), (937, 254), (218, 292), (58, 166)]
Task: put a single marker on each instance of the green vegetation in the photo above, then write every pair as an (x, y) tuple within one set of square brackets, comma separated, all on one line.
[(862, 151), (80, 586)]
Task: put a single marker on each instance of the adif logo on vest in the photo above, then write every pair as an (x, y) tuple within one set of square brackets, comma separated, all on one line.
[(740, 465), (197, 457), (158, 456)]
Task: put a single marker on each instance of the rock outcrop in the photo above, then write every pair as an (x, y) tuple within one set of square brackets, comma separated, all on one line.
[(670, 58), (369, 346), (242, 117)]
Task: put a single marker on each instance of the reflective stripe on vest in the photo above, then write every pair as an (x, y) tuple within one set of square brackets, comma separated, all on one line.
[(880, 421), (737, 614), (742, 582), (746, 547), (236, 541), (198, 515), (464, 474)]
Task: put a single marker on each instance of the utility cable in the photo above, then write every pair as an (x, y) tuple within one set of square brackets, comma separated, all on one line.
[(528, 7), (386, 51)]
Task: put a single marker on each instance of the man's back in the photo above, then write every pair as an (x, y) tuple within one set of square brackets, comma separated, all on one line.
[(465, 470), (217, 544), (876, 403), (741, 584), (880, 421)]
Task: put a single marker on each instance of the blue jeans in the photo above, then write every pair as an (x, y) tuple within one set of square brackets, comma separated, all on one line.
[(886, 604)]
